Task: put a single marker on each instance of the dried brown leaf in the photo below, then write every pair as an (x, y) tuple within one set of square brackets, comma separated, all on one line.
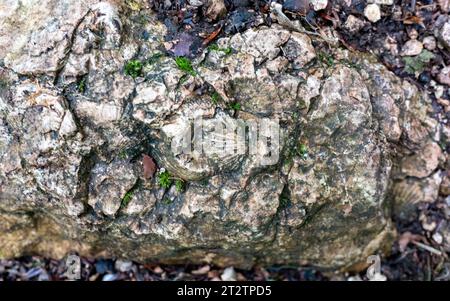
[(149, 166), (413, 20), (212, 36)]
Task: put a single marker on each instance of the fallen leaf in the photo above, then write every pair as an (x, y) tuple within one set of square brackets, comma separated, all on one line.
[(413, 20), (149, 166), (212, 36)]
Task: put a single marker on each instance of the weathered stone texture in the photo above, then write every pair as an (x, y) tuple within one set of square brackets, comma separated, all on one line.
[(74, 127)]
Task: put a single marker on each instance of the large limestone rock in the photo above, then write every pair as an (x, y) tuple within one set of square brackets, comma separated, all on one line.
[(74, 128)]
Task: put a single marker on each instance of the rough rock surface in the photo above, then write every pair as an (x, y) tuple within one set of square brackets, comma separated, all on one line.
[(74, 128)]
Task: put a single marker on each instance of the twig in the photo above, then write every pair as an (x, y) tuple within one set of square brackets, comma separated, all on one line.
[(283, 20), (212, 36), (427, 248)]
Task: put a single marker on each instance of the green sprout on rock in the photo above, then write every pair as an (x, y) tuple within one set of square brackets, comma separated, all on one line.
[(133, 68), (164, 180), (302, 151), (180, 185), (215, 47), (325, 58), (418, 63), (235, 106), (215, 97), (82, 85), (185, 65), (167, 201), (126, 199)]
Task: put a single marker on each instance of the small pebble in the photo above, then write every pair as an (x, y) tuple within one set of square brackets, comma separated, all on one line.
[(215, 9), (444, 76), (445, 34), (438, 91), (425, 77), (196, 3), (319, 4), (229, 274), (412, 48), (437, 237), (109, 277), (158, 270), (353, 24), (429, 226), (372, 13), (382, 2), (123, 265), (429, 43)]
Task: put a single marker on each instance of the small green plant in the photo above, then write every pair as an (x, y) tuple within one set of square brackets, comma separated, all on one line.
[(185, 65), (180, 185), (164, 179), (351, 64), (215, 97), (133, 68), (82, 85), (226, 50), (284, 202), (325, 58), (417, 63), (235, 106), (167, 201), (302, 150), (123, 154), (126, 199)]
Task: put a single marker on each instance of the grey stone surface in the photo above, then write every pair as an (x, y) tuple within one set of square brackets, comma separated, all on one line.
[(74, 127)]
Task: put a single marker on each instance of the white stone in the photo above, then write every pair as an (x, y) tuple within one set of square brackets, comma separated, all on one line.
[(372, 13), (437, 237), (445, 34), (123, 265), (196, 3), (319, 4), (229, 274), (378, 277), (68, 125), (353, 24), (382, 2), (412, 48)]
